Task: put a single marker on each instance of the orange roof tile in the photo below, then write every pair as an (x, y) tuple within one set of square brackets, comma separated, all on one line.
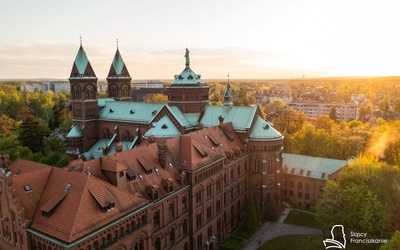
[(79, 213)]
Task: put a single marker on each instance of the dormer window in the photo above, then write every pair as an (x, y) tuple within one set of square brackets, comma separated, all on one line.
[(109, 205), (111, 110)]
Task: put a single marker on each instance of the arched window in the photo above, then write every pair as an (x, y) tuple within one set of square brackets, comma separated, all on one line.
[(199, 241), (156, 220), (113, 89), (126, 135), (300, 185), (106, 133), (307, 186), (209, 213), (125, 90), (139, 245), (291, 184), (89, 92), (172, 236), (184, 205), (171, 211), (76, 93), (157, 244), (209, 190), (199, 220), (198, 195), (256, 164), (185, 227)]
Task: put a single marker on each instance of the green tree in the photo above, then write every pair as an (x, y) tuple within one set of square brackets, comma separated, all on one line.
[(251, 216), (257, 205), (364, 198), (32, 133), (393, 243), (329, 208), (54, 144), (65, 121), (272, 210)]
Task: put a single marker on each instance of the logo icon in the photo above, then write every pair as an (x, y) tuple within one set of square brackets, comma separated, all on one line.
[(338, 238)]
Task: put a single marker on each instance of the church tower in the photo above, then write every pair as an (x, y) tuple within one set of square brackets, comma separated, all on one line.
[(85, 110), (228, 96), (188, 91), (119, 80)]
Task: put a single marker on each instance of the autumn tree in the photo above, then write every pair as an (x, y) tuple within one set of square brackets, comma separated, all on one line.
[(159, 98), (6, 126), (289, 121)]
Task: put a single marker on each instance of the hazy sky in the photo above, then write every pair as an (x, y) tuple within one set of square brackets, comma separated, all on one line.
[(247, 39)]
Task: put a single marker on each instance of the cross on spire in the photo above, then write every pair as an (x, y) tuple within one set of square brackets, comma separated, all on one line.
[(80, 38), (117, 43), (228, 78)]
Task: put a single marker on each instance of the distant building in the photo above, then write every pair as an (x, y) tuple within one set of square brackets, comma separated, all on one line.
[(149, 84), (56, 87), (305, 177), (344, 112)]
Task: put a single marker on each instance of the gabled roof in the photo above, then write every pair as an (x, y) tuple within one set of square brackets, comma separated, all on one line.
[(164, 128), (75, 132), (34, 175), (263, 130), (80, 212), (240, 116), (118, 68), (309, 166), (81, 67), (207, 145)]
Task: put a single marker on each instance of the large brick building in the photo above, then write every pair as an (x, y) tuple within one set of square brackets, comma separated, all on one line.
[(145, 175)]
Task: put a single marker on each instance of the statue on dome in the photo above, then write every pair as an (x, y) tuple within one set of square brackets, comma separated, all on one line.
[(187, 57)]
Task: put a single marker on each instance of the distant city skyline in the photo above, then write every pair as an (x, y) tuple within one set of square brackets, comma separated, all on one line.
[(246, 39)]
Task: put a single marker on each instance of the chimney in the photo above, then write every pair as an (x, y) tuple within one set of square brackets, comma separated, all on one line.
[(162, 152), (201, 126), (118, 147), (221, 121)]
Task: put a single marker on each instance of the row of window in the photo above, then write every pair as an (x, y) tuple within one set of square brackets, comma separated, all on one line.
[(257, 166), (299, 194), (267, 148)]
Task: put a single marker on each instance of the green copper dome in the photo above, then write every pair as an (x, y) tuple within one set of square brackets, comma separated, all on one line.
[(187, 78)]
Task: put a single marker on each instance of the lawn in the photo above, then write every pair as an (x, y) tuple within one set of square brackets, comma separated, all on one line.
[(303, 242), (300, 218)]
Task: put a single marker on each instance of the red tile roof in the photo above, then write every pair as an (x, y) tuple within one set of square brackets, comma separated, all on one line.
[(79, 213)]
